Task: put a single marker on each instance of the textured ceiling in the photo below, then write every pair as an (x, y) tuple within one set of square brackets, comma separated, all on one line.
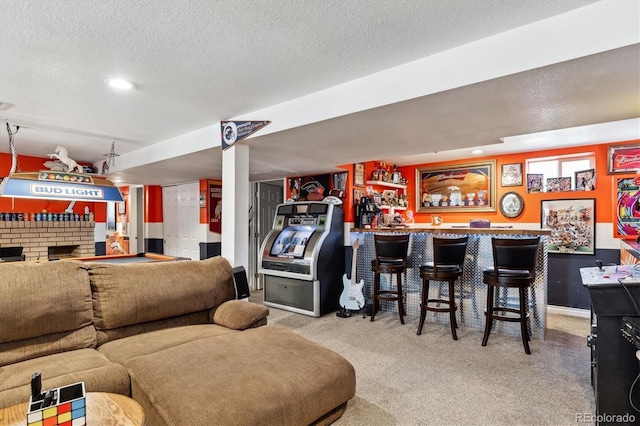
[(196, 63)]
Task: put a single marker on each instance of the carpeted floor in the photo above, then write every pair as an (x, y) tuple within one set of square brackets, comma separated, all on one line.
[(405, 379)]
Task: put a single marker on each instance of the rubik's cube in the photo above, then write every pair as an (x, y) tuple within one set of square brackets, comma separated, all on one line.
[(66, 406)]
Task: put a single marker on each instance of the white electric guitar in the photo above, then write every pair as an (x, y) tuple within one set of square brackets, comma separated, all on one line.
[(352, 297)]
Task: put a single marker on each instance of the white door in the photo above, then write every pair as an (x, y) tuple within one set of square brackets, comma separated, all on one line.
[(181, 220), (268, 198)]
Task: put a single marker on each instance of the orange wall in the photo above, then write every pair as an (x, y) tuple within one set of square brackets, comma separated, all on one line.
[(531, 212)]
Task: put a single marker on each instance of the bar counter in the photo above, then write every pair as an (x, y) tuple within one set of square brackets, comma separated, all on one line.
[(471, 292)]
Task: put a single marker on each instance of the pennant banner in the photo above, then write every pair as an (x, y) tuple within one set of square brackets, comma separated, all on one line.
[(235, 131)]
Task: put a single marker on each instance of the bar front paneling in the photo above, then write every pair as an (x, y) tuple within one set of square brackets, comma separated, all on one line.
[(471, 292)]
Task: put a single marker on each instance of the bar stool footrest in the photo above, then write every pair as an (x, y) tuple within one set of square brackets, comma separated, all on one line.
[(444, 301), (498, 309)]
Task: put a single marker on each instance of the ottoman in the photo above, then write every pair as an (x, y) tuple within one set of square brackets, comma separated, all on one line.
[(265, 375)]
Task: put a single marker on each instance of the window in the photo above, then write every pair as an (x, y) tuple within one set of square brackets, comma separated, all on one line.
[(561, 166)]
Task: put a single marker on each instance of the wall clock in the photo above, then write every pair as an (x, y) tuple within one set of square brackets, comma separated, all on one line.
[(511, 204)]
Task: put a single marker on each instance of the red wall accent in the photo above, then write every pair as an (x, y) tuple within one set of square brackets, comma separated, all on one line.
[(152, 204), (531, 212)]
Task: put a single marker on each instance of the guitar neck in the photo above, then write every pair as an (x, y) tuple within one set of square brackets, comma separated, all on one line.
[(353, 264)]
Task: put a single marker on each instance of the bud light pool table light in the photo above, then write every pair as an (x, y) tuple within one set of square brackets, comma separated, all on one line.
[(53, 185)]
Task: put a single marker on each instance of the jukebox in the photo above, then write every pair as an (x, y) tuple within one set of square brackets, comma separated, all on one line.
[(302, 258)]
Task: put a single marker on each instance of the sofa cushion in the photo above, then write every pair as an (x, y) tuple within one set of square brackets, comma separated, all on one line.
[(240, 314), (122, 350), (40, 303), (263, 375), (48, 344), (83, 365), (127, 294)]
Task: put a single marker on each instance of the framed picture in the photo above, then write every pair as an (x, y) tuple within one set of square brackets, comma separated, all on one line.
[(390, 197), (358, 193), (122, 207), (559, 184), (512, 174), (624, 159), (572, 224), (358, 174), (586, 180), (340, 181), (462, 187), (534, 182), (626, 207), (294, 188)]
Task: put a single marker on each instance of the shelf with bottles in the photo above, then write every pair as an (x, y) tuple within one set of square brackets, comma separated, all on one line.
[(384, 174), (388, 184)]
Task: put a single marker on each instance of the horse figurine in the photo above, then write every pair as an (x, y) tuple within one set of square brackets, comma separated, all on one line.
[(62, 155)]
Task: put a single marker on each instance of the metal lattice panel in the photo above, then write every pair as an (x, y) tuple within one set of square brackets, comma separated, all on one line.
[(471, 292)]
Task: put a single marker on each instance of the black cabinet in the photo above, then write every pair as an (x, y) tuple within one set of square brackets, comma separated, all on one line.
[(614, 365)]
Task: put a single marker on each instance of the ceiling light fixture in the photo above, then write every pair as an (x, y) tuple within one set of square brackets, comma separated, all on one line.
[(119, 83), (477, 151)]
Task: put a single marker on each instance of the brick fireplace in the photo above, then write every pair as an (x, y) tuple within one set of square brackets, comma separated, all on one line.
[(42, 239)]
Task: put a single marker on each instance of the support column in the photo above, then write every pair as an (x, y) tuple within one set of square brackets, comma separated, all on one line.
[(235, 205)]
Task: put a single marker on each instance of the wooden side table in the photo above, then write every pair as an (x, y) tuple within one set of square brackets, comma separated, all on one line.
[(102, 409)]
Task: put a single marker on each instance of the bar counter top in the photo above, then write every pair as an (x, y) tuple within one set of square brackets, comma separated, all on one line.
[(465, 230)]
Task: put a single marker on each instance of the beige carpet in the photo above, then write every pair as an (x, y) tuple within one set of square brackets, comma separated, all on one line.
[(405, 379)]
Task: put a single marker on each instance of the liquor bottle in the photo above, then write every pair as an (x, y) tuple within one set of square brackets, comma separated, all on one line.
[(395, 175)]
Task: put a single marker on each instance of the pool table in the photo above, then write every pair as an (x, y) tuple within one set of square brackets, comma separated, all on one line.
[(128, 258)]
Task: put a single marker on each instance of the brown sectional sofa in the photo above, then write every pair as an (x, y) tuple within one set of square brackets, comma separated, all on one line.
[(168, 334)]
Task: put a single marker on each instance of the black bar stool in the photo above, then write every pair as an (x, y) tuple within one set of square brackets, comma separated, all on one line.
[(391, 258), (514, 266), (448, 261)]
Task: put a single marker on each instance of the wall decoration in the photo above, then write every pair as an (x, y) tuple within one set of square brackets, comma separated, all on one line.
[(627, 207), (358, 193), (310, 188), (512, 174), (559, 184), (624, 159), (294, 188), (215, 207), (122, 207), (358, 174), (572, 225), (340, 181), (586, 180), (235, 131), (534, 183), (313, 187), (461, 187), (511, 204)]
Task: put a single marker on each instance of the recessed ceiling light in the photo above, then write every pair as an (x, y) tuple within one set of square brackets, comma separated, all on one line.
[(119, 83), (477, 151)]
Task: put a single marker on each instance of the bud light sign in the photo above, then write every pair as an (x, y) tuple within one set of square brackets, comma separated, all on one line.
[(54, 191)]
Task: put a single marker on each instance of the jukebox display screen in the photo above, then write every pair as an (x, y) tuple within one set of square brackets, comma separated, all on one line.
[(292, 242)]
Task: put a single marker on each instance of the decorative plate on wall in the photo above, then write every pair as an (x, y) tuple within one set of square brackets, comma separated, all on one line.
[(511, 204)]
